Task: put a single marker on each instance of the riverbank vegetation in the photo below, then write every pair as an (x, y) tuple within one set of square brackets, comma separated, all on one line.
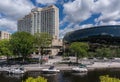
[(106, 78), (5, 48), (92, 50), (42, 41), (79, 49), (38, 79), (23, 44)]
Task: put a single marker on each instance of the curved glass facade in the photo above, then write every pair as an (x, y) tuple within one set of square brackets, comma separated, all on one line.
[(94, 34)]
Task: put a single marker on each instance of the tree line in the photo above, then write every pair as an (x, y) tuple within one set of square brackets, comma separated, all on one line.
[(23, 44), (84, 49)]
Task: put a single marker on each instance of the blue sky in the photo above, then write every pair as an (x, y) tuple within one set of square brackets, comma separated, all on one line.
[(73, 14)]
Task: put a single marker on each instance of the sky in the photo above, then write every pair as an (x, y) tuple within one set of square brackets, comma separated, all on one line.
[(73, 14)]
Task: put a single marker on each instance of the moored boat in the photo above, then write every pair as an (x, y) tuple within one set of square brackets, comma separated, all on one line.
[(16, 70), (79, 69), (50, 70)]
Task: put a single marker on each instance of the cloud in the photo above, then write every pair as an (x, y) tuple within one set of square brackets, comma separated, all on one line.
[(77, 27), (110, 23), (11, 11), (15, 8), (44, 2), (78, 10), (73, 27), (109, 10), (8, 24), (65, 30)]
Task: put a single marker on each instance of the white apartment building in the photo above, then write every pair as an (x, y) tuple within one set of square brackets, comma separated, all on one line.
[(4, 35), (41, 20)]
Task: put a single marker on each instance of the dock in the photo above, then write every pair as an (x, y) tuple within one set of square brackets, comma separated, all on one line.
[(66, 67)]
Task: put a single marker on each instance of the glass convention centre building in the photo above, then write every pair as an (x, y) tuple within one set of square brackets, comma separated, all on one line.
[(109, 34)]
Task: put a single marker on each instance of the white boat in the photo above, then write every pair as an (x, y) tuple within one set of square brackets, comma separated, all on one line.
[(50, 70), (16, 70), (79, 69)]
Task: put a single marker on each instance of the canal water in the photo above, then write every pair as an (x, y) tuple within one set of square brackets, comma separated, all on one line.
[(64, 76)]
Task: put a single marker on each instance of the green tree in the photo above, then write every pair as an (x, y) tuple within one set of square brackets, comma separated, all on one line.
[(104, 52), (5, 48), (91, 54), (38, 79), (22, 44), (118, 52), (42, 41), (80, 49)]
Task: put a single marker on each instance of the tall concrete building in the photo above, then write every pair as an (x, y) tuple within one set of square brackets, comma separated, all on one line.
[(4, 35), (41, 20)]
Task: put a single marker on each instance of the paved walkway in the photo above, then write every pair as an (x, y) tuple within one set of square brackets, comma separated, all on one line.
[(105, 65), (95, 65)]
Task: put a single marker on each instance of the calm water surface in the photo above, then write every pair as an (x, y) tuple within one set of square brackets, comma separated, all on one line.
[(92, 76)]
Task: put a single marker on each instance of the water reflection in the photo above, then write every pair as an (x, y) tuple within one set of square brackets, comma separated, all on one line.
[(52, 78), (17, 76), (10, 78), (80, 74), (63, 76)]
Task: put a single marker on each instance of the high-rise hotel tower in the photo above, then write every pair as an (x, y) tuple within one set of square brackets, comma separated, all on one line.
[(41, 20)]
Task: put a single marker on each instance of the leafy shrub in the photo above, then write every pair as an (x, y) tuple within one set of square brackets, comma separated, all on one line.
[(38, 79), (106, 78)]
